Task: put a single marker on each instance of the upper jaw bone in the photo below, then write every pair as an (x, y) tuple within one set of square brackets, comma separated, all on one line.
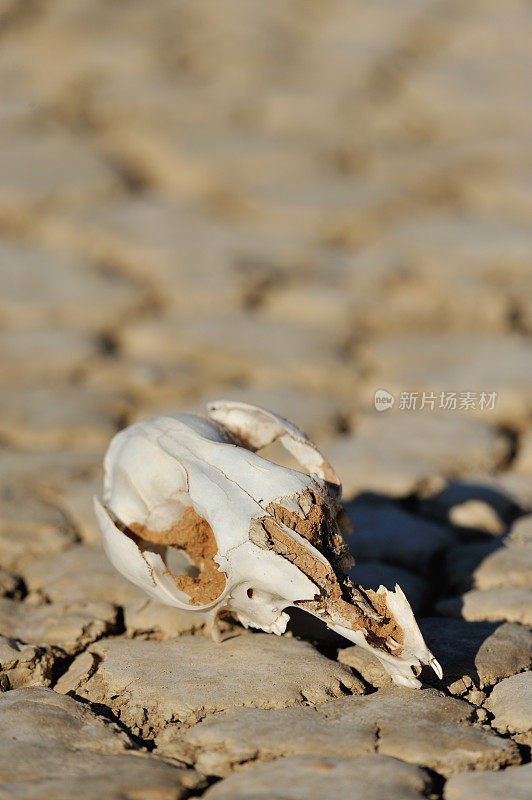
[(196, 486), (405, 667)]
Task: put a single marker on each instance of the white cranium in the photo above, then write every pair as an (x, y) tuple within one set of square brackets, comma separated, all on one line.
[(196, 517)]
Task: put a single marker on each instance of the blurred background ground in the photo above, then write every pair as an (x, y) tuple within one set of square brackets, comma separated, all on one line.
[(293, 203)]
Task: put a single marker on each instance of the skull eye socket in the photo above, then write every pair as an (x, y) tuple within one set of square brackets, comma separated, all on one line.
[(250, 593), (278, 454)]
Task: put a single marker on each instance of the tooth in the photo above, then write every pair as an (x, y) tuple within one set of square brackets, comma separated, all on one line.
[(436, 667)]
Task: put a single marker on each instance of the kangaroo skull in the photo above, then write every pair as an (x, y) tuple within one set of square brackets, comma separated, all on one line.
[(196, 517)]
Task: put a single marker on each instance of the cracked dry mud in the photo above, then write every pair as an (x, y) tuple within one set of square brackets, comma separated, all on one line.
[(151, 684), (429, 729), (81, 754), (292, 204)]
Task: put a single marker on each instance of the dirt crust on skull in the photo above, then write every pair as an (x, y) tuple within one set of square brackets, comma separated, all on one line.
[(194, 536), (336, 596), (319, 525)]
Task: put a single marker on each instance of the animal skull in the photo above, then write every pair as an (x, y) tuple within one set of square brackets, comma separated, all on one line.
[(196, 517)]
